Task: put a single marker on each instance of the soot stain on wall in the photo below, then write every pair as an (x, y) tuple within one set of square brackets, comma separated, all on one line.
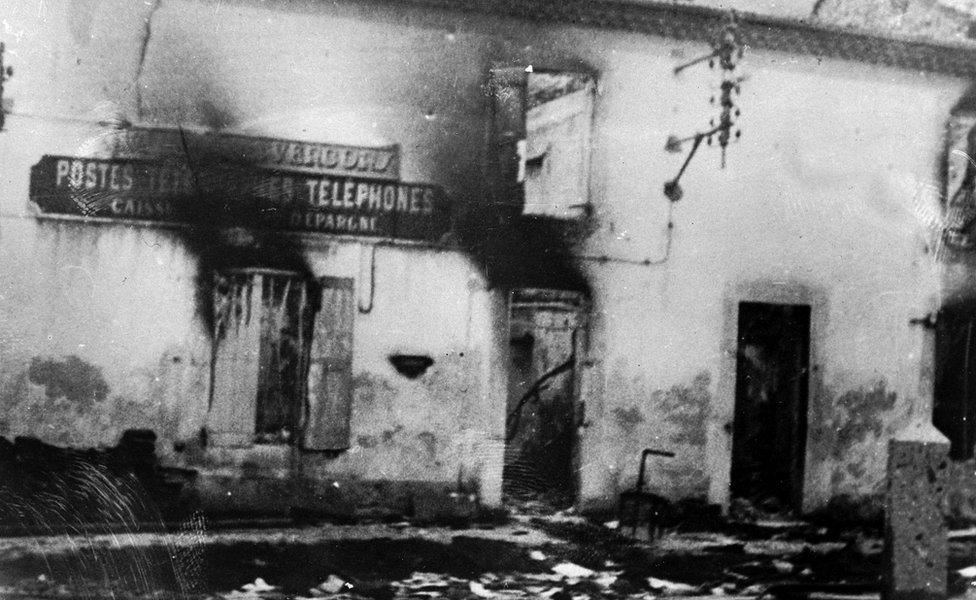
[(517, 251), (71, 378), (366, 441), (628, 418), (372, 393), (686, 408), (858, 414), (68, 402), (388, 434), (225, 223), (686, 481), (429, 442)]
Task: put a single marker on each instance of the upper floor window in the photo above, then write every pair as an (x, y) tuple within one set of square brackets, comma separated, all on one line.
[(540, 155)]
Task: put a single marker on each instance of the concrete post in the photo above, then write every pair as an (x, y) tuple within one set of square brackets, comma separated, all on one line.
[(915, 532)]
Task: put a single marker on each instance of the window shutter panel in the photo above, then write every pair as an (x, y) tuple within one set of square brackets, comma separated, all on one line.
[(506, 157), (959, 187), (330, 369), (237, 336), (558, 138)]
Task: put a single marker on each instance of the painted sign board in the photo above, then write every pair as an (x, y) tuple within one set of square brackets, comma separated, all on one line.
[(225, 195), (206, 147)]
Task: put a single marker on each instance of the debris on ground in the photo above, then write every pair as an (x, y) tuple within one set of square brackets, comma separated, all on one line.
[(479, 590), (697, 542), (258, 590), (554, 559), (783, 566), (568, 569), (332, 585), (258, 587), (670, 588)]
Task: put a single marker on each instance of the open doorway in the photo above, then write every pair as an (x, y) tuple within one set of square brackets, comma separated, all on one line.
[(954, 410), (545, 334), (771, 387)]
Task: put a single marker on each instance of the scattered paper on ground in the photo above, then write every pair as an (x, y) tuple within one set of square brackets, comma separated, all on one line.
[(568, 569)]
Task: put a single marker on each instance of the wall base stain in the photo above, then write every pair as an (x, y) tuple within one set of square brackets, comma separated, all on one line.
[(89, 417), (858, 414), (628, 418), (672, 418), (686, 409), (71, 378), (846, 436)]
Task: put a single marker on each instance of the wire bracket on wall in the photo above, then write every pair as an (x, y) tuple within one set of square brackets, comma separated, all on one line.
[(6, 72), (727, 50)]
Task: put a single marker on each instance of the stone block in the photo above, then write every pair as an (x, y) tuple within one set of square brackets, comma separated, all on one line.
[(915, 530)]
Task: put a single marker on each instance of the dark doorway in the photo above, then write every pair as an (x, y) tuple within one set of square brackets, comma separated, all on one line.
[(771, 384), (544, 335), (954, 410)]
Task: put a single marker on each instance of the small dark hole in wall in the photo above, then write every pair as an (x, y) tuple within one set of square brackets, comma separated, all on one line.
[(411, 366), (535, 162), (523, 342)]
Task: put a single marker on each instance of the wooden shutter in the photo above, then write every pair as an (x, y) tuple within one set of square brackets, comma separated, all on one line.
[(506, 157), (330, 369), (237, 339), (557, 155), (960, 181)]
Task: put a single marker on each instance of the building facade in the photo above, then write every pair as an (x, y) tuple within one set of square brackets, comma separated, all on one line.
[(343, 257)]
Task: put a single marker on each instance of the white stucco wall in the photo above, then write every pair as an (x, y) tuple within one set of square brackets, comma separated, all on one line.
[(826, 200)]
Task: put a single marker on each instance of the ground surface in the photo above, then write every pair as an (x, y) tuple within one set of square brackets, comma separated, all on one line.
[(560, 557)]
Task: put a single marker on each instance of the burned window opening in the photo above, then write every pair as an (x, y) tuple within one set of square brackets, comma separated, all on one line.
[(960, 181), (541, 141), (262, 322)]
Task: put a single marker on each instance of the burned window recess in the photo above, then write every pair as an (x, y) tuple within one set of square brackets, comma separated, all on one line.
[(960, 181), (281, 360), (541, 141)]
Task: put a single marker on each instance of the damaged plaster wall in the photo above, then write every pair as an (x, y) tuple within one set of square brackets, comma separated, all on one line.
[(830, 188), (845, 206), (115, 304)]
